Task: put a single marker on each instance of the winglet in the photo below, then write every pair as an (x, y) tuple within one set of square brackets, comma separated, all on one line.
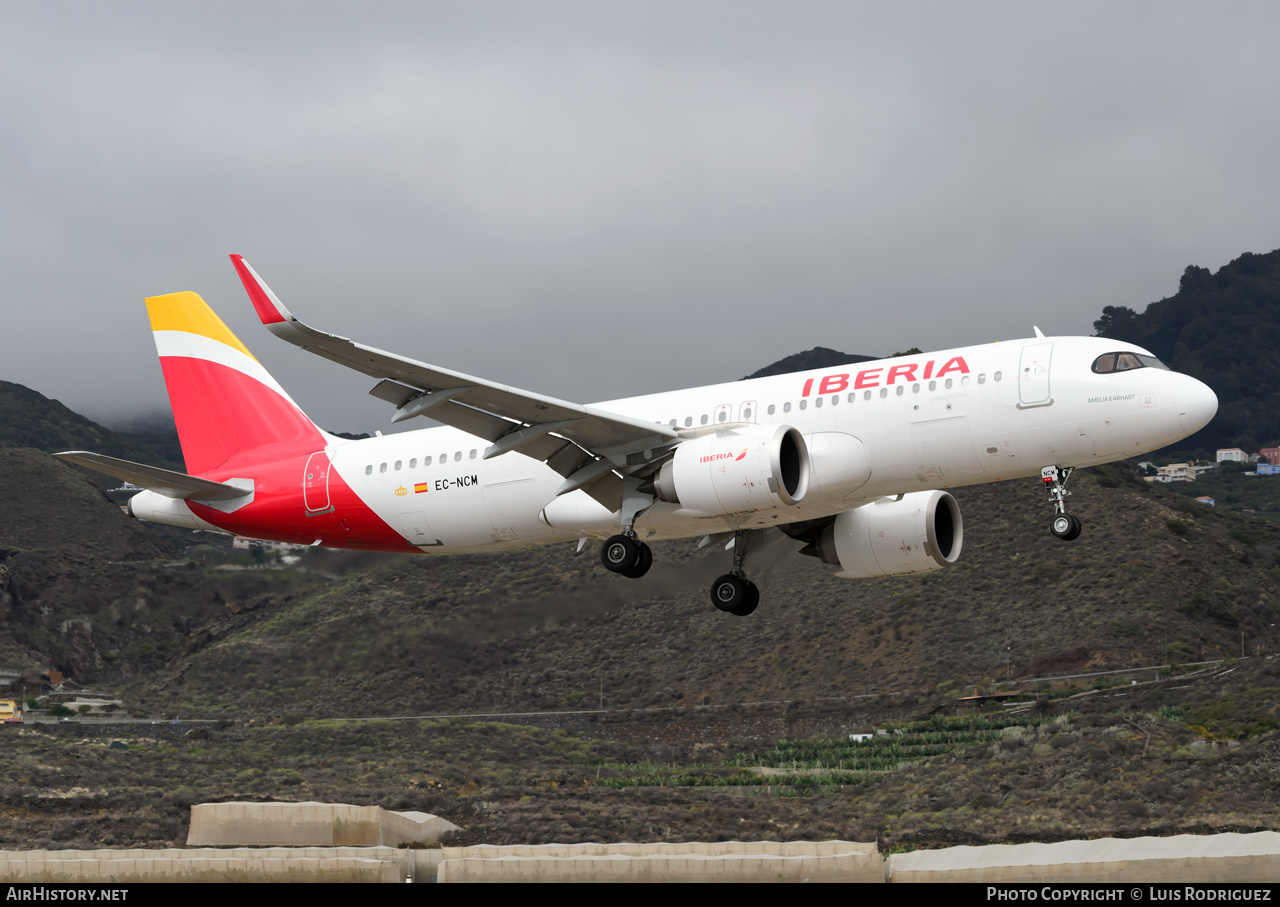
[(269, 308)]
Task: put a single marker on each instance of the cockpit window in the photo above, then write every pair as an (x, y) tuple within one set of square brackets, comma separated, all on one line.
[(1123, 362)]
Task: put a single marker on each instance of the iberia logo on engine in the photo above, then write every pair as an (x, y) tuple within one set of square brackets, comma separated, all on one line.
[(712, 458)]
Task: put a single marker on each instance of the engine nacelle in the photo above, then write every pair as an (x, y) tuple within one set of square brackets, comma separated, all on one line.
[(916, 533), (760, 467)]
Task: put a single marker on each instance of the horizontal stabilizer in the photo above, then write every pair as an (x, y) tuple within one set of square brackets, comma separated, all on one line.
[(162, 481)]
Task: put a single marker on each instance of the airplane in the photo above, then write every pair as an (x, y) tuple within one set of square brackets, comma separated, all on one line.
[(853, 461)]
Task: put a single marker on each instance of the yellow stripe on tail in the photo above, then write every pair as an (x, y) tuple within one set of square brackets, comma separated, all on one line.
[(189, 313)]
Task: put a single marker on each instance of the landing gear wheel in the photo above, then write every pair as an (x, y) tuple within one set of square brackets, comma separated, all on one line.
[(643, 562), (1065, 526), (751, 603), (621, 553), (735, 594)]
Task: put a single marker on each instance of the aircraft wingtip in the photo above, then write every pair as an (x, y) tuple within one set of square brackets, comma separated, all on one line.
[(270, 310)]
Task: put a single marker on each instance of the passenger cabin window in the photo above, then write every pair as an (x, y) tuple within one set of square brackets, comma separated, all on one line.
[(772, 409), (382, 467), (1123, 362), (704, 419), (426, 461), (368, 470), (786, 407)]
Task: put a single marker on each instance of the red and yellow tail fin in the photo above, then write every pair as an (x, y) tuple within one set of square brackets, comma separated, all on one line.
[(225, 403)]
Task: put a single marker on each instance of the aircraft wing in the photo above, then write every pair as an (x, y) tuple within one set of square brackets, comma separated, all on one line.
[(162, 481), (582, 443)]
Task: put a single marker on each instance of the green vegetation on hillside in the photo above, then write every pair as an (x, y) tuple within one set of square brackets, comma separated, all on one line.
[(818, 357), (1223, 328)]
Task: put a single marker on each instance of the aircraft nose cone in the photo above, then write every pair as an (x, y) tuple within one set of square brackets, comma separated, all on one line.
[(1197, 404)]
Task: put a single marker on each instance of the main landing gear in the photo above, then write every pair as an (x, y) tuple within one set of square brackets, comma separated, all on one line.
[(1063, 525), (733, 592), (626, 555)]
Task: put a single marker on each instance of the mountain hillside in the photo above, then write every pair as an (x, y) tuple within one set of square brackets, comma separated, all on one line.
[(1154, 578), (818, 357), (87, 590), (30, 419), (1223, 328)]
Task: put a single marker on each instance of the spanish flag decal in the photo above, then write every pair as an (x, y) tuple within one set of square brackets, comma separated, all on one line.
[(421, 487)]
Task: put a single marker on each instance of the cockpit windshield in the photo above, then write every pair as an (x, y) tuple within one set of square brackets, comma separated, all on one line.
[(1123, 362)]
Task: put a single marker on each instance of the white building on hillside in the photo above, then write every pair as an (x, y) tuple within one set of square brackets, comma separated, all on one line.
[(1174, 472)]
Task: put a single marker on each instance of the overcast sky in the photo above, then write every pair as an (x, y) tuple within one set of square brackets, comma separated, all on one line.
[(599, 199)]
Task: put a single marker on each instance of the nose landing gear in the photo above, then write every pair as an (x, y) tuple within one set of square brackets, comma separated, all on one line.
[(1063, 525)]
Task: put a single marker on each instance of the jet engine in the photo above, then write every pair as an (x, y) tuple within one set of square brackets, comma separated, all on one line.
[(741, 470), (913, 533)]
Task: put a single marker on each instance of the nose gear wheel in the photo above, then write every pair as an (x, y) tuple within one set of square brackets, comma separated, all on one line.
[(1063, 525)]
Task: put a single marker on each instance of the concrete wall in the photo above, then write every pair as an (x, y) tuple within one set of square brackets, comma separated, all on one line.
[(309, 824), (98, 864), (139, 868), (692, 848), (1182, 858), (851, 867)]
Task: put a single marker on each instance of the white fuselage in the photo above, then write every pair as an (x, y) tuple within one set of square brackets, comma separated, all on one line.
[(937, 420)]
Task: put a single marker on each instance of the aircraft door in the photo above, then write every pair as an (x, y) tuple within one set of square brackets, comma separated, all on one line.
[(723, 413), (315, 484), (1033, 375), (747, 412)]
